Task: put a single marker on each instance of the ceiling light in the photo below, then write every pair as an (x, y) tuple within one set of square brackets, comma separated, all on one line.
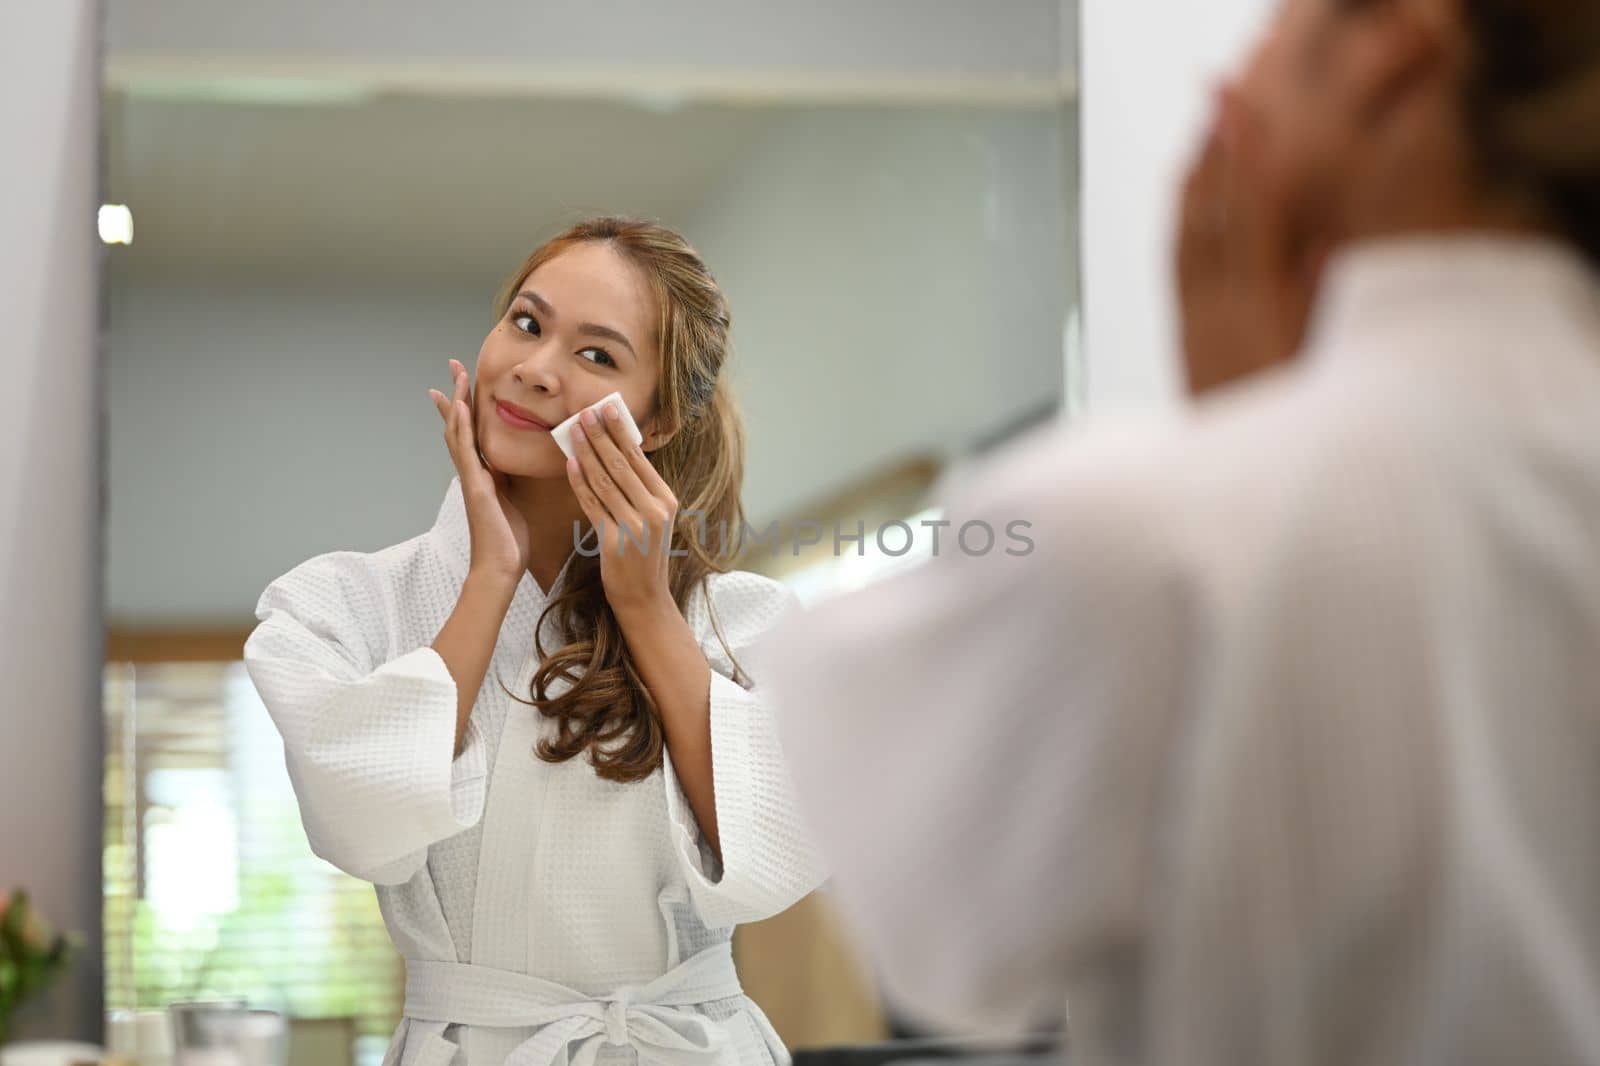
[(116, 224)]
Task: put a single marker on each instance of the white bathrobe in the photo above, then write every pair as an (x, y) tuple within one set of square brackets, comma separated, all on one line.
[(545, 915), (1283, 745)]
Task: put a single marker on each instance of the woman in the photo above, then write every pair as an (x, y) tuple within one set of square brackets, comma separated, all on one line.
[(561, 859), (1283, 746)]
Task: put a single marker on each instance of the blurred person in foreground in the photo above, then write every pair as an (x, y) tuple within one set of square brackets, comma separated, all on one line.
[(1283, 744)]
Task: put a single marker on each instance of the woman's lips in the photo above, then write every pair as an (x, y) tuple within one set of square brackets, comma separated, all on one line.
[(512, 418)]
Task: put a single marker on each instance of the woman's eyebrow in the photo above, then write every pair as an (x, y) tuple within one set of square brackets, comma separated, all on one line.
[(588, 328)]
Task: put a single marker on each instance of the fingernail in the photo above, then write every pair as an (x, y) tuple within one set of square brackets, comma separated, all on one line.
[(588, 418), (611, 412), (578, 433)]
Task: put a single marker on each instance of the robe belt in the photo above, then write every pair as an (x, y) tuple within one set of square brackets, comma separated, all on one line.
[(574, 1026)]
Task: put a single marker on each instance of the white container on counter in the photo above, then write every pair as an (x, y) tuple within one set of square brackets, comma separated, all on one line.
[(143, 1037), (49, 1053)]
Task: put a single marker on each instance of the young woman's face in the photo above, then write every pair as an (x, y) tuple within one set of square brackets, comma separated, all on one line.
[(581, 326)]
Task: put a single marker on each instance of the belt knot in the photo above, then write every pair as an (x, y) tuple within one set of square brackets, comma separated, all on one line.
[(616, 1015)]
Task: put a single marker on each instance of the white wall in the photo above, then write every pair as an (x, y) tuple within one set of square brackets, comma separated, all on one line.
[(257, 422), (50, 448), (741, 46), (1146, 71), (898, 288)]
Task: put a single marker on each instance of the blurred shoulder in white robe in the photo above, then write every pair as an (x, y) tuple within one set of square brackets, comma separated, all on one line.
[(1282, 745)]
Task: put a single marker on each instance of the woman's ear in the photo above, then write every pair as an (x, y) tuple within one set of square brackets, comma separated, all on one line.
[(1402, 51), (657, 432)]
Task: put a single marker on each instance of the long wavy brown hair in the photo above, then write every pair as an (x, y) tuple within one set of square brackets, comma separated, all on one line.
[(608, 712)]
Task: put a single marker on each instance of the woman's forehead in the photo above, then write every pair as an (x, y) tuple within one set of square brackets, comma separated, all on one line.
[(593, 282)]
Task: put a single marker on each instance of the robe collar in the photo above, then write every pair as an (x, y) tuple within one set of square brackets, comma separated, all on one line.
[(450, 529), (450, 525), (1374, 287)]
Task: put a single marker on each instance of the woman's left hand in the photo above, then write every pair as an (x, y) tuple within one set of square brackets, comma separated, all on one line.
[(1246, 276), (621, 492)]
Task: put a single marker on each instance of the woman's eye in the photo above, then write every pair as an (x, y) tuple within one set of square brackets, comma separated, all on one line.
[(601, 356)]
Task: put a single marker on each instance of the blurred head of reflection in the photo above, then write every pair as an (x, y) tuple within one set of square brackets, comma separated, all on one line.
[(611, 305)]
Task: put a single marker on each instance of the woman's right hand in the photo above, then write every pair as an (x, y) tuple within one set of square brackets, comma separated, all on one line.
[(501, 543)]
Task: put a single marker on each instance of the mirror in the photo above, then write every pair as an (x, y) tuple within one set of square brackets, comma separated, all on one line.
[(325, 203)]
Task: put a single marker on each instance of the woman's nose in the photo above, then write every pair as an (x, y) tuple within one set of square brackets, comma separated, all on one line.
[(541, 369)]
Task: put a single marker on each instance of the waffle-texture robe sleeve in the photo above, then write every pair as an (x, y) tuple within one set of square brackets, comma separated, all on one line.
[(768, 858), (368, 739)]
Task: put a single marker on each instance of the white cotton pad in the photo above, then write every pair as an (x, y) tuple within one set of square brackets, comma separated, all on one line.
[(563, 432)]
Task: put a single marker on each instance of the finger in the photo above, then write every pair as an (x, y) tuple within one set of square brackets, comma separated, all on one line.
[(1256, 200), (1262, 195), (657, 506), (593, 508), (600, 481), (1243, 120), (1194, 209), (1209, 155), (455, 400), (447, 410), (1200, 246), (471, 388), (468, 464), (1200, 176), (608, 441), (464, 439), (1247, 143), (472, 421), (1235, 195), (1253, 211), (645, 470), (1201, 187), (463, 431), (450, 412), (447, 413)]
